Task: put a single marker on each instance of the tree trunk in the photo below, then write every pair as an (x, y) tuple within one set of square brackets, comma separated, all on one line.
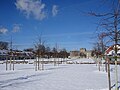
[(42, 63), (6, 63), (10, 62), (106, 66), (109, 81), (36, 64), (116, 76), (13, 63)]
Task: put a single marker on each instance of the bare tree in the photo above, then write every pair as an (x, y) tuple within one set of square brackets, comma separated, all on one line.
[(54, 55), (40, 50), (11, 55), (110, 22), (63, 54), (47, 51), (4, 46)]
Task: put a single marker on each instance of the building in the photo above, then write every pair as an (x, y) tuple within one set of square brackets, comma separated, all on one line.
[(82, 50), (74, 53), (111, 50), (88, 53), (83, 53)]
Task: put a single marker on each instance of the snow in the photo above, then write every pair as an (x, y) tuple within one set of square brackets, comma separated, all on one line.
[(112, 52), (3, 52), (83, 60), (62, 77)]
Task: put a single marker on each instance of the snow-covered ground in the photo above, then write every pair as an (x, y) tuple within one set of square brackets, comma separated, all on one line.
[(62, 77), (79, 61)]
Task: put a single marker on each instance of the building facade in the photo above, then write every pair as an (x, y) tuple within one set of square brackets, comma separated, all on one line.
[(82, 53)]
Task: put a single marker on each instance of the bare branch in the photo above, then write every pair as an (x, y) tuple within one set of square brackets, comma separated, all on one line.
[(99, 14)]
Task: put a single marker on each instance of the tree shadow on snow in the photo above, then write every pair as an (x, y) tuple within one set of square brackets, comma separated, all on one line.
[(20, 80)]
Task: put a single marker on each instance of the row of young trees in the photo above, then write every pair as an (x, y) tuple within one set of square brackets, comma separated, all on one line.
[(41, 52), (109, 25)]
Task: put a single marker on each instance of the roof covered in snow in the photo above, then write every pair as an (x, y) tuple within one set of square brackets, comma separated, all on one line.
[(111, 50)]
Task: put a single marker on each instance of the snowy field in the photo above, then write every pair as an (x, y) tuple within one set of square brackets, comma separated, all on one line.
[(62, 77)]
